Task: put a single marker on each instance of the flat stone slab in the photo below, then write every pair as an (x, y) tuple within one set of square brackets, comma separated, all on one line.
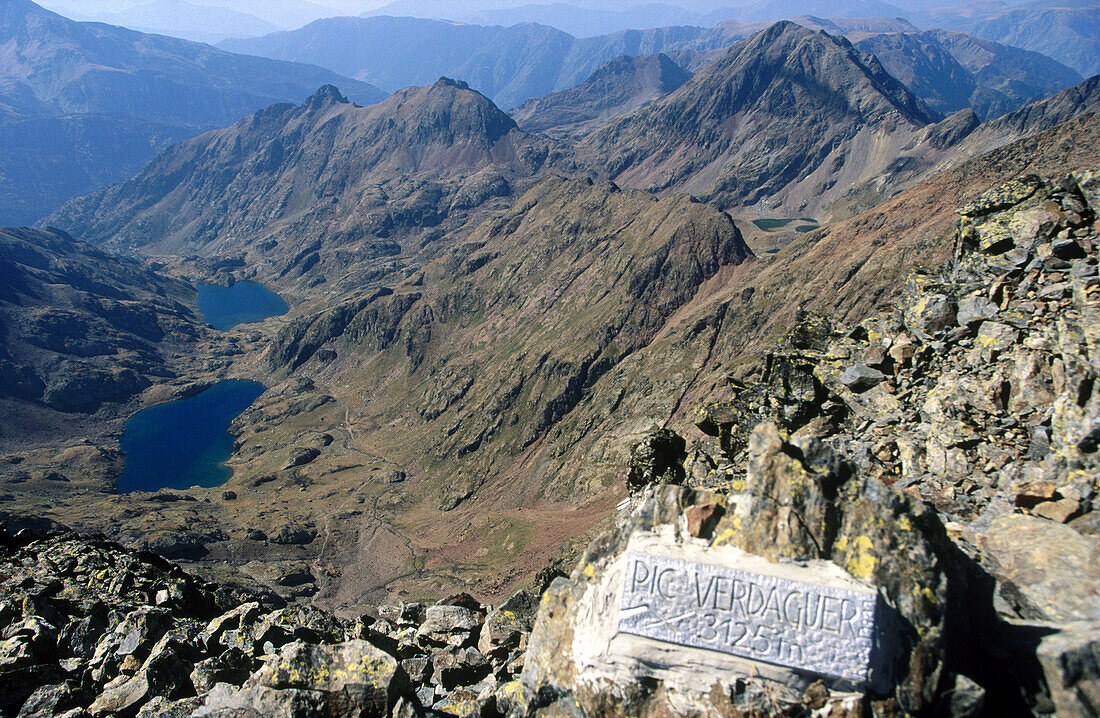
[(822, 629)]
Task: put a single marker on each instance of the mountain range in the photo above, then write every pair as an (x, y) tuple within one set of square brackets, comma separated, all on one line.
[(84, 104), (951, 71), (509, 65)]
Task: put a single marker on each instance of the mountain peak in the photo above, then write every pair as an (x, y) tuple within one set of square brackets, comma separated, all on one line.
[(449, 82), (801, 98), (326, 96)]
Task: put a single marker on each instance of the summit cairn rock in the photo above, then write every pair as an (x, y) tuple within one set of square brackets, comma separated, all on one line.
[(657, 619)]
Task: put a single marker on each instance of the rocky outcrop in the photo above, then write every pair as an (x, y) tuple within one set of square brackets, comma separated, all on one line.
[(91, 629)]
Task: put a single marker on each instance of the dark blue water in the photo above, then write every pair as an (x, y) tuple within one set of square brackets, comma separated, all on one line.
[(183, 443), (245, 302)]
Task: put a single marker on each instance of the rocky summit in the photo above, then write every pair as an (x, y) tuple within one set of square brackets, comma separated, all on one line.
[(897, 518)]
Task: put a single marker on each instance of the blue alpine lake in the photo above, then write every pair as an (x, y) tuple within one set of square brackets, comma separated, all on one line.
[(184, 443), (243, 303)]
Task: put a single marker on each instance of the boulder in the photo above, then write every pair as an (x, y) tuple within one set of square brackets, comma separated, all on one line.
[(860, 377), (802, 503), (929, 315), (449, 626), (225, 701), (453, 667), (1045, 570), (352, 679), (975, 309), (292, 534), (231, 666), (162, 674), (1070, 662), (506, 625)]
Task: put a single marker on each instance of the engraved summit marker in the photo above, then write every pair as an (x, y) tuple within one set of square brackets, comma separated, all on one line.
[(805, 626)]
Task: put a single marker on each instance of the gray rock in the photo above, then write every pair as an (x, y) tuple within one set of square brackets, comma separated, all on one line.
[(453, 667), (974, 309), (505, 625), (929, 315), (1045, 570), (449, 626), (161, 675), (658, 458), (231, 666), (301, 457), (353, 678), (292, 534), (860, 377), (225, 701), (403, 614), (165, 708), (996, 337), (1070, 661), (48, 701)]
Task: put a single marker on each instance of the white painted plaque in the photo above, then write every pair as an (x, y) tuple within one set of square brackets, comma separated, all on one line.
[(809, 627)]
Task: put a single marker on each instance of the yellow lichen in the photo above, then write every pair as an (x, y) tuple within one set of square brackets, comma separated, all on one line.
[(861, 560)]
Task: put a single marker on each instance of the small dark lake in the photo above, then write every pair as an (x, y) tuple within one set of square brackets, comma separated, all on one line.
[(243, 303), (183, 443)]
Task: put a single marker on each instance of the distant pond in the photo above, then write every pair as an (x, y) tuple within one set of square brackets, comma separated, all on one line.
[(184, 443), (243, 303)]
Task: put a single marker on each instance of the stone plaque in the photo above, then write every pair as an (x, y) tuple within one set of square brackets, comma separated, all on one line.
[(805, 626)]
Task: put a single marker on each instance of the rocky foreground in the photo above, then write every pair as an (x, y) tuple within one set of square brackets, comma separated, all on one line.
[(942, 458)]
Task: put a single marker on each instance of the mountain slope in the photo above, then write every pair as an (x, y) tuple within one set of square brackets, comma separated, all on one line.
[(82, 328), (951, 71), (621, 86), (787, 119), (120, 97), (293, 180)]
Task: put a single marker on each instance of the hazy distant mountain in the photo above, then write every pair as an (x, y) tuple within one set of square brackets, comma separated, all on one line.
[(510, 65), (202, 23), (951, 71), (1069, 32), (772, 10), (788, 118), (585, 21), (620, 86), (283, 14), (87, 104)]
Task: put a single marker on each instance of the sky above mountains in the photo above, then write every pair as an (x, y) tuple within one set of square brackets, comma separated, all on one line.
[(215, 19)]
